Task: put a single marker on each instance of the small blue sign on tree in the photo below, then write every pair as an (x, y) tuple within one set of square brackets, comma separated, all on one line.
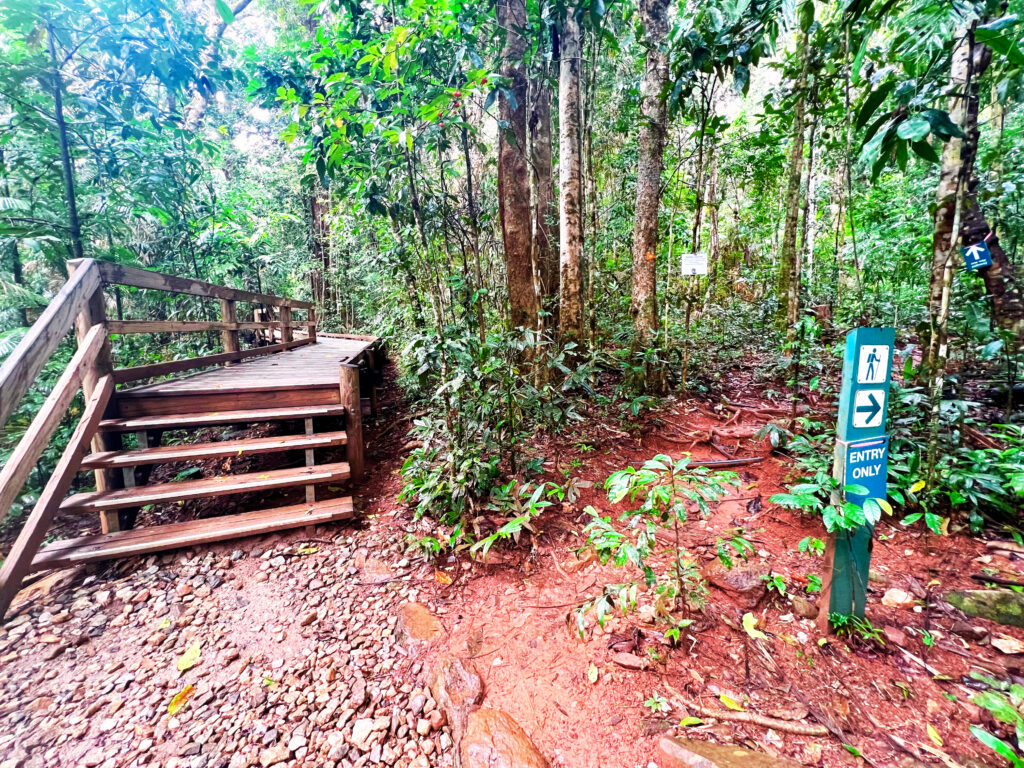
[(977, 256)]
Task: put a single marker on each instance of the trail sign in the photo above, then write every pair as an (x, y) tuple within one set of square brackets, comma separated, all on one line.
[(864, 397), (977, 256), (694, 263), (862, 460)]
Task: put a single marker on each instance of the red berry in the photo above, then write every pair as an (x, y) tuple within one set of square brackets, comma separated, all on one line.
[(483, 81), (457, 94)]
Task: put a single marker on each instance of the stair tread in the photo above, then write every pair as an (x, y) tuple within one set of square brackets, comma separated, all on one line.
[(165, 454), (140, 541), (214, 418), (223, 485)]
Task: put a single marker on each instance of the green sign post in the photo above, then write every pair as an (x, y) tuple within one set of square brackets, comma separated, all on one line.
[(861, 459)]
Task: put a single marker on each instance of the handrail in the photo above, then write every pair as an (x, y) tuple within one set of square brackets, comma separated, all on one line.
[(22, 366), (118, 274), (80, 303)]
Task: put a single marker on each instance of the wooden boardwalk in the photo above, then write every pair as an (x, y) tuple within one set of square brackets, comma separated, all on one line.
[(307, 367), (313, 386)]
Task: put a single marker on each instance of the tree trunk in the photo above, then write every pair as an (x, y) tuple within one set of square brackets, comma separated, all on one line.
[(947, 218), (513, 175), (653, 122), (810, 211), (474, 227), (570, 179), (16, 273), (545, 251), (1000, 282), (319, 242), (789, 266), (74, 225)]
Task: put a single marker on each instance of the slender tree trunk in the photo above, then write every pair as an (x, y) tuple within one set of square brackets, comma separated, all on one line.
[(474, 227), (319, 242), (16, 273), (810, 210), (513, 170), (545, 234), (569, 183), (949, 201), (653, 122), (789, 265), (714, 251), (74, 225), (214, 32), (591, 185)]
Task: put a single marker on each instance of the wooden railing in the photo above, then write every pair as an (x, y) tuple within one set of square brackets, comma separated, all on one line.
[(80, 303)]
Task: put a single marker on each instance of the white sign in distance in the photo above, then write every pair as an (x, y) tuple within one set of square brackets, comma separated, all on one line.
[(694, 263), (873, 365), (869, 408)]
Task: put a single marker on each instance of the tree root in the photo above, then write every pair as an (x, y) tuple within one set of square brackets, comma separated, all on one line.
[(800, 729)]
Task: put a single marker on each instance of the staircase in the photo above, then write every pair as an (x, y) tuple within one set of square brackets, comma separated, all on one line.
[(306, 389)]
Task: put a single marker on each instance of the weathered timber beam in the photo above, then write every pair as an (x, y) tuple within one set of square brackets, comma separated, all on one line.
[(28, 450), (144, 278), (185, 326), (20, 369), (19, 560), (122, 375)]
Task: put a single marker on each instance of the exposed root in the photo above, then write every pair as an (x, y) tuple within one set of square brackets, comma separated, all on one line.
[(800, 729)]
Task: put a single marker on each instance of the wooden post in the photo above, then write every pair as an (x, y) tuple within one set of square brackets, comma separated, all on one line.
[(310, 462), (229, 339), (349, 382), (103, 365), (286, 322), (311, 324)]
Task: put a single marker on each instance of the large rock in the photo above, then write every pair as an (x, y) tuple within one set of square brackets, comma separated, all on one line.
[(686, 753), (418, 627), (999, 605), (457, 689), (744, 581), (494, 740)]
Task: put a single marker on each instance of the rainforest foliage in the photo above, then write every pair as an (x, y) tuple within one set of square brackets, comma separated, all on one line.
[(508, 192)]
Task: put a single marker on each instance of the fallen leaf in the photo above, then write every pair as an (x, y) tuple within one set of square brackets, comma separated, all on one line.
[(730, 703), (592, 673), (917, 486), (190, 657), (934, 735), (442, 578), (1007, 644), (308, 550), (180, 699), (688, 722), (164, 624), (750, 627)]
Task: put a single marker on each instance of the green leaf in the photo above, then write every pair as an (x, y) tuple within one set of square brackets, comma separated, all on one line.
[(924, 150), (914, 129), (941, 124), (225, 11), (873, 102), (999, 746)]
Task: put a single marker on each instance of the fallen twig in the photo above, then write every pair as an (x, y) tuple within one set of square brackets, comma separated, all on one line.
[(800, 729)]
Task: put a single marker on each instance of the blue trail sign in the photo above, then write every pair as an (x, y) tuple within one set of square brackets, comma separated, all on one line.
[(977, 256), (861, 460)]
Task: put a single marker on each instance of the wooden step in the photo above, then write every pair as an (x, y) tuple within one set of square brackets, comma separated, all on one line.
[(166, 454), (99, 501), (216, 418), (141, 541)]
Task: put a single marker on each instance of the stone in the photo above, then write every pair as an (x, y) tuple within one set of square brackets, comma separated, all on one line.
[(687, 753), (1002, 606), (897, 598), (628, 660), (417, 626), (457, 689), (804, 608), (895, 635), (493, 739), (274, 755), (744, 581)]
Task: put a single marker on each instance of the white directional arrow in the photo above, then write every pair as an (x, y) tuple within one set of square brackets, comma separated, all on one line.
[(974, 250)]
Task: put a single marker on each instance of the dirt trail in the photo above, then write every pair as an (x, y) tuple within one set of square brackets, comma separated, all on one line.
[(302, 660)]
